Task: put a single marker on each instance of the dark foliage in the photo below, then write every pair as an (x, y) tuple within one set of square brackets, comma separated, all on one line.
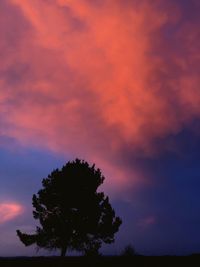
[(129, 251), (72, 214)]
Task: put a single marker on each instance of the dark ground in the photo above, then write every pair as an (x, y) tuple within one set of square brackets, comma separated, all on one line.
[(164, 261)]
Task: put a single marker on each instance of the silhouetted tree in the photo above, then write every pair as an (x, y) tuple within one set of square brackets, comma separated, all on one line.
[(129, 251), (72, 214)]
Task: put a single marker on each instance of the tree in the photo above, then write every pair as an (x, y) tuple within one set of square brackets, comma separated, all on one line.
[(73, 215), (129, 251)]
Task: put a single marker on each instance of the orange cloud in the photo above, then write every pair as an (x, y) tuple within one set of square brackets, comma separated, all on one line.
[(8, 211), (88, 78)]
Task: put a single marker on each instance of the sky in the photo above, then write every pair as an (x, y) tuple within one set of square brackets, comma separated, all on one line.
[(115, 83)]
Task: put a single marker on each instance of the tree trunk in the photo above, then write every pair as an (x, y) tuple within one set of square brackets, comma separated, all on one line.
[(63, 251)]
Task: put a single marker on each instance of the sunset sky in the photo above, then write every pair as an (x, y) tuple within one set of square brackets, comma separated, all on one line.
[(113, 82)]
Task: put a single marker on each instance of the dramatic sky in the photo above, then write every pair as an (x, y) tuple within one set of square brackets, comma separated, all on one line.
[(114, 82)]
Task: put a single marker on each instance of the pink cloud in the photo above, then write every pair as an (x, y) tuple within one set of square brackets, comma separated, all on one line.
[(8, 211), (86, 79), (147, 221)]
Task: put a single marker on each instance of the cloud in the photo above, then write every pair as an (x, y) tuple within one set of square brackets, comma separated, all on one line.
[(8, 211), (90, 79), (147, 222)]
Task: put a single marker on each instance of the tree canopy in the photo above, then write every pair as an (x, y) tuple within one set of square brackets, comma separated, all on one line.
[(73, 215)]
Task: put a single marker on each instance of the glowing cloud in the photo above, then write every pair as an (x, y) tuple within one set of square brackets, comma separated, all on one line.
[(8, 211), (89, 78)]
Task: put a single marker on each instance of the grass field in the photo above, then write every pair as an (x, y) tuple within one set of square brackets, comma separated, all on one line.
[(102, 261)]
